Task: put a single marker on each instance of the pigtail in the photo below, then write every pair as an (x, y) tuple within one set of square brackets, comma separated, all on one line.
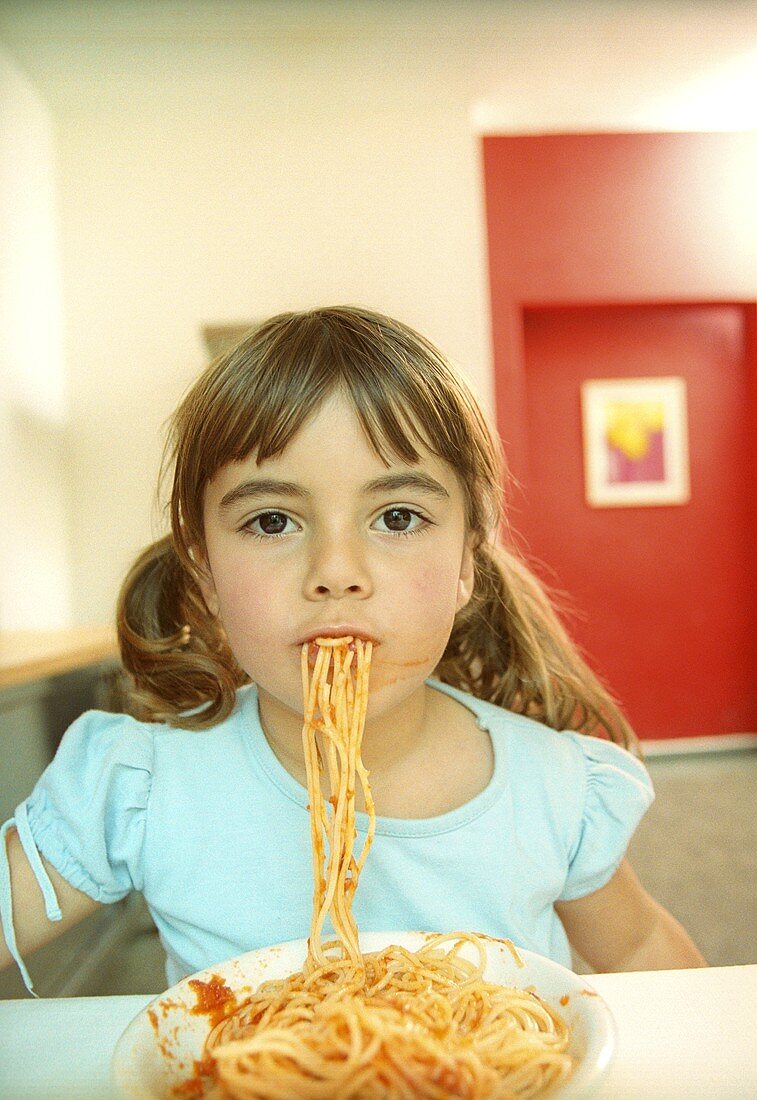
[(173, 649), (508, 646)]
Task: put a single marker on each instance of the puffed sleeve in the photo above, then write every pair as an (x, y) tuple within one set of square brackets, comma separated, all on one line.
[(617, 792), (87, 813), (86, 816)]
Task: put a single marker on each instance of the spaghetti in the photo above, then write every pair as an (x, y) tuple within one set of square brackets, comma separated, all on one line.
[(393, 1024)]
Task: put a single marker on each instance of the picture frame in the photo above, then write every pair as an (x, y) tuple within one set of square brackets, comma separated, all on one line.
[(635, 442), (220, 338)]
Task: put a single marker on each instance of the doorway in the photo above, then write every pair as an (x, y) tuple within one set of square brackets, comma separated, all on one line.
[(663, 595)]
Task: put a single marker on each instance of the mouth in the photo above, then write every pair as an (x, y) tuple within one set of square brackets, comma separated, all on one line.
[(333, 636), (342, 633)]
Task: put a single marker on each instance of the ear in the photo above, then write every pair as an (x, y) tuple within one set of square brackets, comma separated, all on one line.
[(465, 580), (204, 578)]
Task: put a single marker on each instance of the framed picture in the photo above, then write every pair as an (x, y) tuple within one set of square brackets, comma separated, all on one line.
[(635, 442), (219, 338)]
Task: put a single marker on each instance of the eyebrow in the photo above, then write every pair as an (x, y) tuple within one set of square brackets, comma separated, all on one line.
[(416, 482), (388, 483), (262, 487)]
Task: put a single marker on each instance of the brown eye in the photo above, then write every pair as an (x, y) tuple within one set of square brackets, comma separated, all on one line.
[(397, 519), (402, 521), (272, 523)]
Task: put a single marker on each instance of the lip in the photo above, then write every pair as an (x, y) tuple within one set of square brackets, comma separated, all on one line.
[(341, 631)]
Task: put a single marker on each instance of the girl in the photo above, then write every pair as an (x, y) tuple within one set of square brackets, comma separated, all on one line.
[(334, 476)]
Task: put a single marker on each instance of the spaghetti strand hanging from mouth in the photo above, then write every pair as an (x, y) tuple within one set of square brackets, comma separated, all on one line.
[(336, 701)]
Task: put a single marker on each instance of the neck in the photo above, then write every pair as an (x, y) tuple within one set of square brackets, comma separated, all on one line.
[(387, 740)]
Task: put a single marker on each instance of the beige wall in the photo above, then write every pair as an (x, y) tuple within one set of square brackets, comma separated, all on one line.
[(239, 159), (35, 564)]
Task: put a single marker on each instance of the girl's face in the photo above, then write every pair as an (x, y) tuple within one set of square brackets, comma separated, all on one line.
[(325, 538)]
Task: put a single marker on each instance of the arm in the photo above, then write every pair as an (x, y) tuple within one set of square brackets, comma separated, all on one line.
[(33, 929), (620, 927)]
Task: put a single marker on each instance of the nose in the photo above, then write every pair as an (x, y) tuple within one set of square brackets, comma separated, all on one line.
[(337, 568)]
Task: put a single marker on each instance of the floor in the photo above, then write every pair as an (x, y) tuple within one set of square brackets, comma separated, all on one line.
[(695, 851)]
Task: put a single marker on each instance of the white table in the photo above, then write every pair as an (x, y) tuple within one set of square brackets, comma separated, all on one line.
[(682, 1033)]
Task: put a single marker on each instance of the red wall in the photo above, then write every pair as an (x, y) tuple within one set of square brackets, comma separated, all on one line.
[(649, 226)]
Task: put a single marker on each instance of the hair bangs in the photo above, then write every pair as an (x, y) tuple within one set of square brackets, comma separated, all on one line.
[(254, 399), (280, 375)]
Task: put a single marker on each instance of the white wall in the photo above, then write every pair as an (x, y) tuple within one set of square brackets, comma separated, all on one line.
[(35, 574), (219, 162)]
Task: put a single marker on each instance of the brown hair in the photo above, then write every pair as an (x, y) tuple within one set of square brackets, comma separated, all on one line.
[(507, 645)]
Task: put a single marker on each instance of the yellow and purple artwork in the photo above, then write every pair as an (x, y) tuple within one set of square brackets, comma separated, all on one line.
[(635, 441), (634, 437)]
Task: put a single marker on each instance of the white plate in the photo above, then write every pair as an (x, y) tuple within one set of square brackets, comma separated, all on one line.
[(158, 1048)]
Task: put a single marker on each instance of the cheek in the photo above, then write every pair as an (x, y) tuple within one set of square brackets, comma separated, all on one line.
[(251, 619), (241, 587), (241, 603), (435, 589), (428, 603)]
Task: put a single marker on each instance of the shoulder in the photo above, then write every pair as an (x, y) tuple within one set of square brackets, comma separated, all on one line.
[(581, 748), (123, 736), (100, 746), (103, 760), (113, 738), (582, 768), (523, 737), (582, 794)]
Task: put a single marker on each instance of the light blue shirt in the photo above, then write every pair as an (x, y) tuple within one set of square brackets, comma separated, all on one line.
[(215, 833)]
